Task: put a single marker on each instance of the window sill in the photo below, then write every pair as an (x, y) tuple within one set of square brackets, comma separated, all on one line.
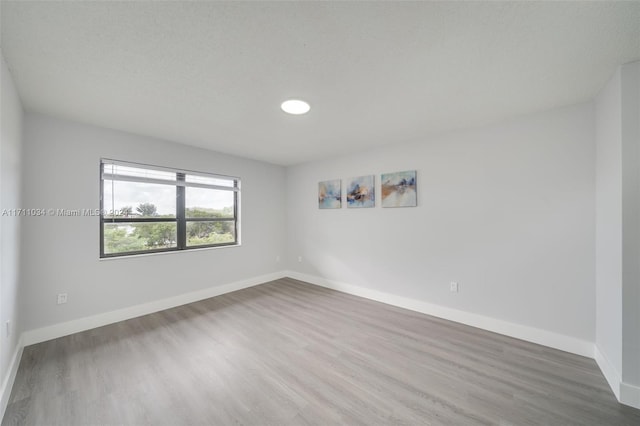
[(164, 253)]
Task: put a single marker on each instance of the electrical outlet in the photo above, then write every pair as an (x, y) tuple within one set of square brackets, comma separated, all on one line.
[(7, 329), (453, 286), (277, 258), (62, 298), (299, 258)]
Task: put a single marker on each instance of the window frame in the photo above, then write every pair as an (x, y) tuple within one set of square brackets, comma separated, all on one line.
[(181, 220)]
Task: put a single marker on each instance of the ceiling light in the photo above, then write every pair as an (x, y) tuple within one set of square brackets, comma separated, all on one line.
[(295, 106)]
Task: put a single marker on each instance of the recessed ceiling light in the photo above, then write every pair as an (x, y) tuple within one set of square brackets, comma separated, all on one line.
[(295, 106)]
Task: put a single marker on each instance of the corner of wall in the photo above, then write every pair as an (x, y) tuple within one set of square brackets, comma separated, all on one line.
[(11, 159), (625, 393), (7, 383), (610, 373)]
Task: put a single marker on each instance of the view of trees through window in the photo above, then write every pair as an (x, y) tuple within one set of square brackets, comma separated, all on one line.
[(161, 211)]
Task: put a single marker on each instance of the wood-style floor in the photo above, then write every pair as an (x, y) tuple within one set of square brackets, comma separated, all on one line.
[(290, 353)]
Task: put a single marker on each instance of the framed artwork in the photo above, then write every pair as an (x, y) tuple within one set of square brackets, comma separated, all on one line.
[(330, 194), (360, 192), (399, 189)]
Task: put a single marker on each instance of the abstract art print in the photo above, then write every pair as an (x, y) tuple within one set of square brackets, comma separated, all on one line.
[(330, 194), (360, 192), (399, 189)]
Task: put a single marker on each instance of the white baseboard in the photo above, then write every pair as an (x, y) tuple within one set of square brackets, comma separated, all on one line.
[(7, 382), (609, 371), (530, 334), (625, 393), (63, 329), (630, 395)]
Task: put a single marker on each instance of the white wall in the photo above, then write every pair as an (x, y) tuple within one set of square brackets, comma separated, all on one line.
[(630, 138), (10, 177), (507, 211), (62, 253), (609, 227), (618, 233)]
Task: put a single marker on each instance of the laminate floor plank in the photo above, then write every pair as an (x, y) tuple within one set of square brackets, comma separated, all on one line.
[(290, 353)]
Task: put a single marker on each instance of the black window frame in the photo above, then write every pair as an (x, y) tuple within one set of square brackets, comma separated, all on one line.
[(181, 218)]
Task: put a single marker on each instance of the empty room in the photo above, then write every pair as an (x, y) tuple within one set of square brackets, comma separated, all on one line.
[(323, 213)]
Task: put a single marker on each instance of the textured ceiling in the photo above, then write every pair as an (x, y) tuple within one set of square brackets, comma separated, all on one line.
[(213, 74)]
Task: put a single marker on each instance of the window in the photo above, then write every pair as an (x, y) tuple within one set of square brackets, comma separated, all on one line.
[(148, 209)]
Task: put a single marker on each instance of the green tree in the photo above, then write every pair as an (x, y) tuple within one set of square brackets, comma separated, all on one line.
[(118, 240), (156, 235), (126, 211), (147, 209), (209, 232), (210, 239)]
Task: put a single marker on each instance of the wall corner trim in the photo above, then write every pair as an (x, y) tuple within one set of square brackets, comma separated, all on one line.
[(626, 393), (630, 394), (518, 331), (609, 371), (7, 382)]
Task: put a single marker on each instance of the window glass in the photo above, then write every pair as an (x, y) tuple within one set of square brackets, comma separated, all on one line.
[(136, 199), (204, 233), (136, 237), (210, 203), (151, 210)]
